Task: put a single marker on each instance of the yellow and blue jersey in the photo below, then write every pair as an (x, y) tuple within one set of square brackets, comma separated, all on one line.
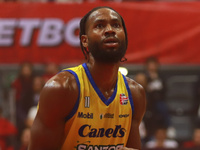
[(97, 123)]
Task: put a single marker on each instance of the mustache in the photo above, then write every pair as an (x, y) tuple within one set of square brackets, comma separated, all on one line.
[(110, 38)]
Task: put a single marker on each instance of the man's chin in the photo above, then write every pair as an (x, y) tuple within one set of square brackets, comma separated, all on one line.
[(110, 60)]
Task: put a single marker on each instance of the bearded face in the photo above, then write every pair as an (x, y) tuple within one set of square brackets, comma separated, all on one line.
[(106, 54), (105, 36)]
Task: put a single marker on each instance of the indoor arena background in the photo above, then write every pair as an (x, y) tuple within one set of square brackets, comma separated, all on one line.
[(45, 35)]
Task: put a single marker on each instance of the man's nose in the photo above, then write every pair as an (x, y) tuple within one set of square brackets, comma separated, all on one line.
[(109, 30)]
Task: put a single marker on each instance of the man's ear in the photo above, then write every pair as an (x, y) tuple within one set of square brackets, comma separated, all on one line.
[(84, 41)]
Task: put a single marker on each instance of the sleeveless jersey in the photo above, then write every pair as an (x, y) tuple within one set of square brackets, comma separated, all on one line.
[(97, 123)]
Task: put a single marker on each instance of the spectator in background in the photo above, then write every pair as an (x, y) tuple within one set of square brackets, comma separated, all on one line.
[(157, 111), (142, 79), (197, 102), (38, 84), (23, 86), (160, 140), (25, 139), (7, 133), (51, 69), (31, 116), (195, 142)]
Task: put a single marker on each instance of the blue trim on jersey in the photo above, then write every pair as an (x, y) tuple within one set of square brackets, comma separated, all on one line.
[(129, 94), (77, 101), (102, 97)]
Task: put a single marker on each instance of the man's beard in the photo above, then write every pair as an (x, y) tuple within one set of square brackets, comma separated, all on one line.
[(109, 55)]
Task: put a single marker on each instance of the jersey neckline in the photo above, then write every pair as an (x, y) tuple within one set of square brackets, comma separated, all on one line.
[(99, 93)]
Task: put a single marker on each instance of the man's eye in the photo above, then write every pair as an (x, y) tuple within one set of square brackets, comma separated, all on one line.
[(116, 25), (99, 26)]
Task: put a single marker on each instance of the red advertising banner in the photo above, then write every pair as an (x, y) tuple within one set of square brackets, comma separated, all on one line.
[(43, 32)]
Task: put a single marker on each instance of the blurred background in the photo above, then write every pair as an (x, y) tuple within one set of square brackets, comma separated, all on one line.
[(39, 38)]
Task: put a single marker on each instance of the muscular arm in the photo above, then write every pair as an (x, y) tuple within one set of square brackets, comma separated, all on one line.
[(56, 101), (139, 100)]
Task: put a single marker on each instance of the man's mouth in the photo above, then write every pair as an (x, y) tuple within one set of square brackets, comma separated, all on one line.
[(111, 42)]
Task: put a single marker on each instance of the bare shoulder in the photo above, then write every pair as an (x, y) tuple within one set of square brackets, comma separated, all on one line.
[(135, 87), (62, 81), (139, 98), (59, 94), (57, 100)]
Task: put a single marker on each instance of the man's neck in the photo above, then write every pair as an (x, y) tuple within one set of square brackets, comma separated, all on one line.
[(104, 75)]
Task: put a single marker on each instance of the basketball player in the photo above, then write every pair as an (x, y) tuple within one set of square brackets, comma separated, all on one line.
[(92, 106)]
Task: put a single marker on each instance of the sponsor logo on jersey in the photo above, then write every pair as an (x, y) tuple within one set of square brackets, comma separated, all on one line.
[(99, 147), (123, 99), (91, 132), (107, 115), (123, 115), (85, 115)]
